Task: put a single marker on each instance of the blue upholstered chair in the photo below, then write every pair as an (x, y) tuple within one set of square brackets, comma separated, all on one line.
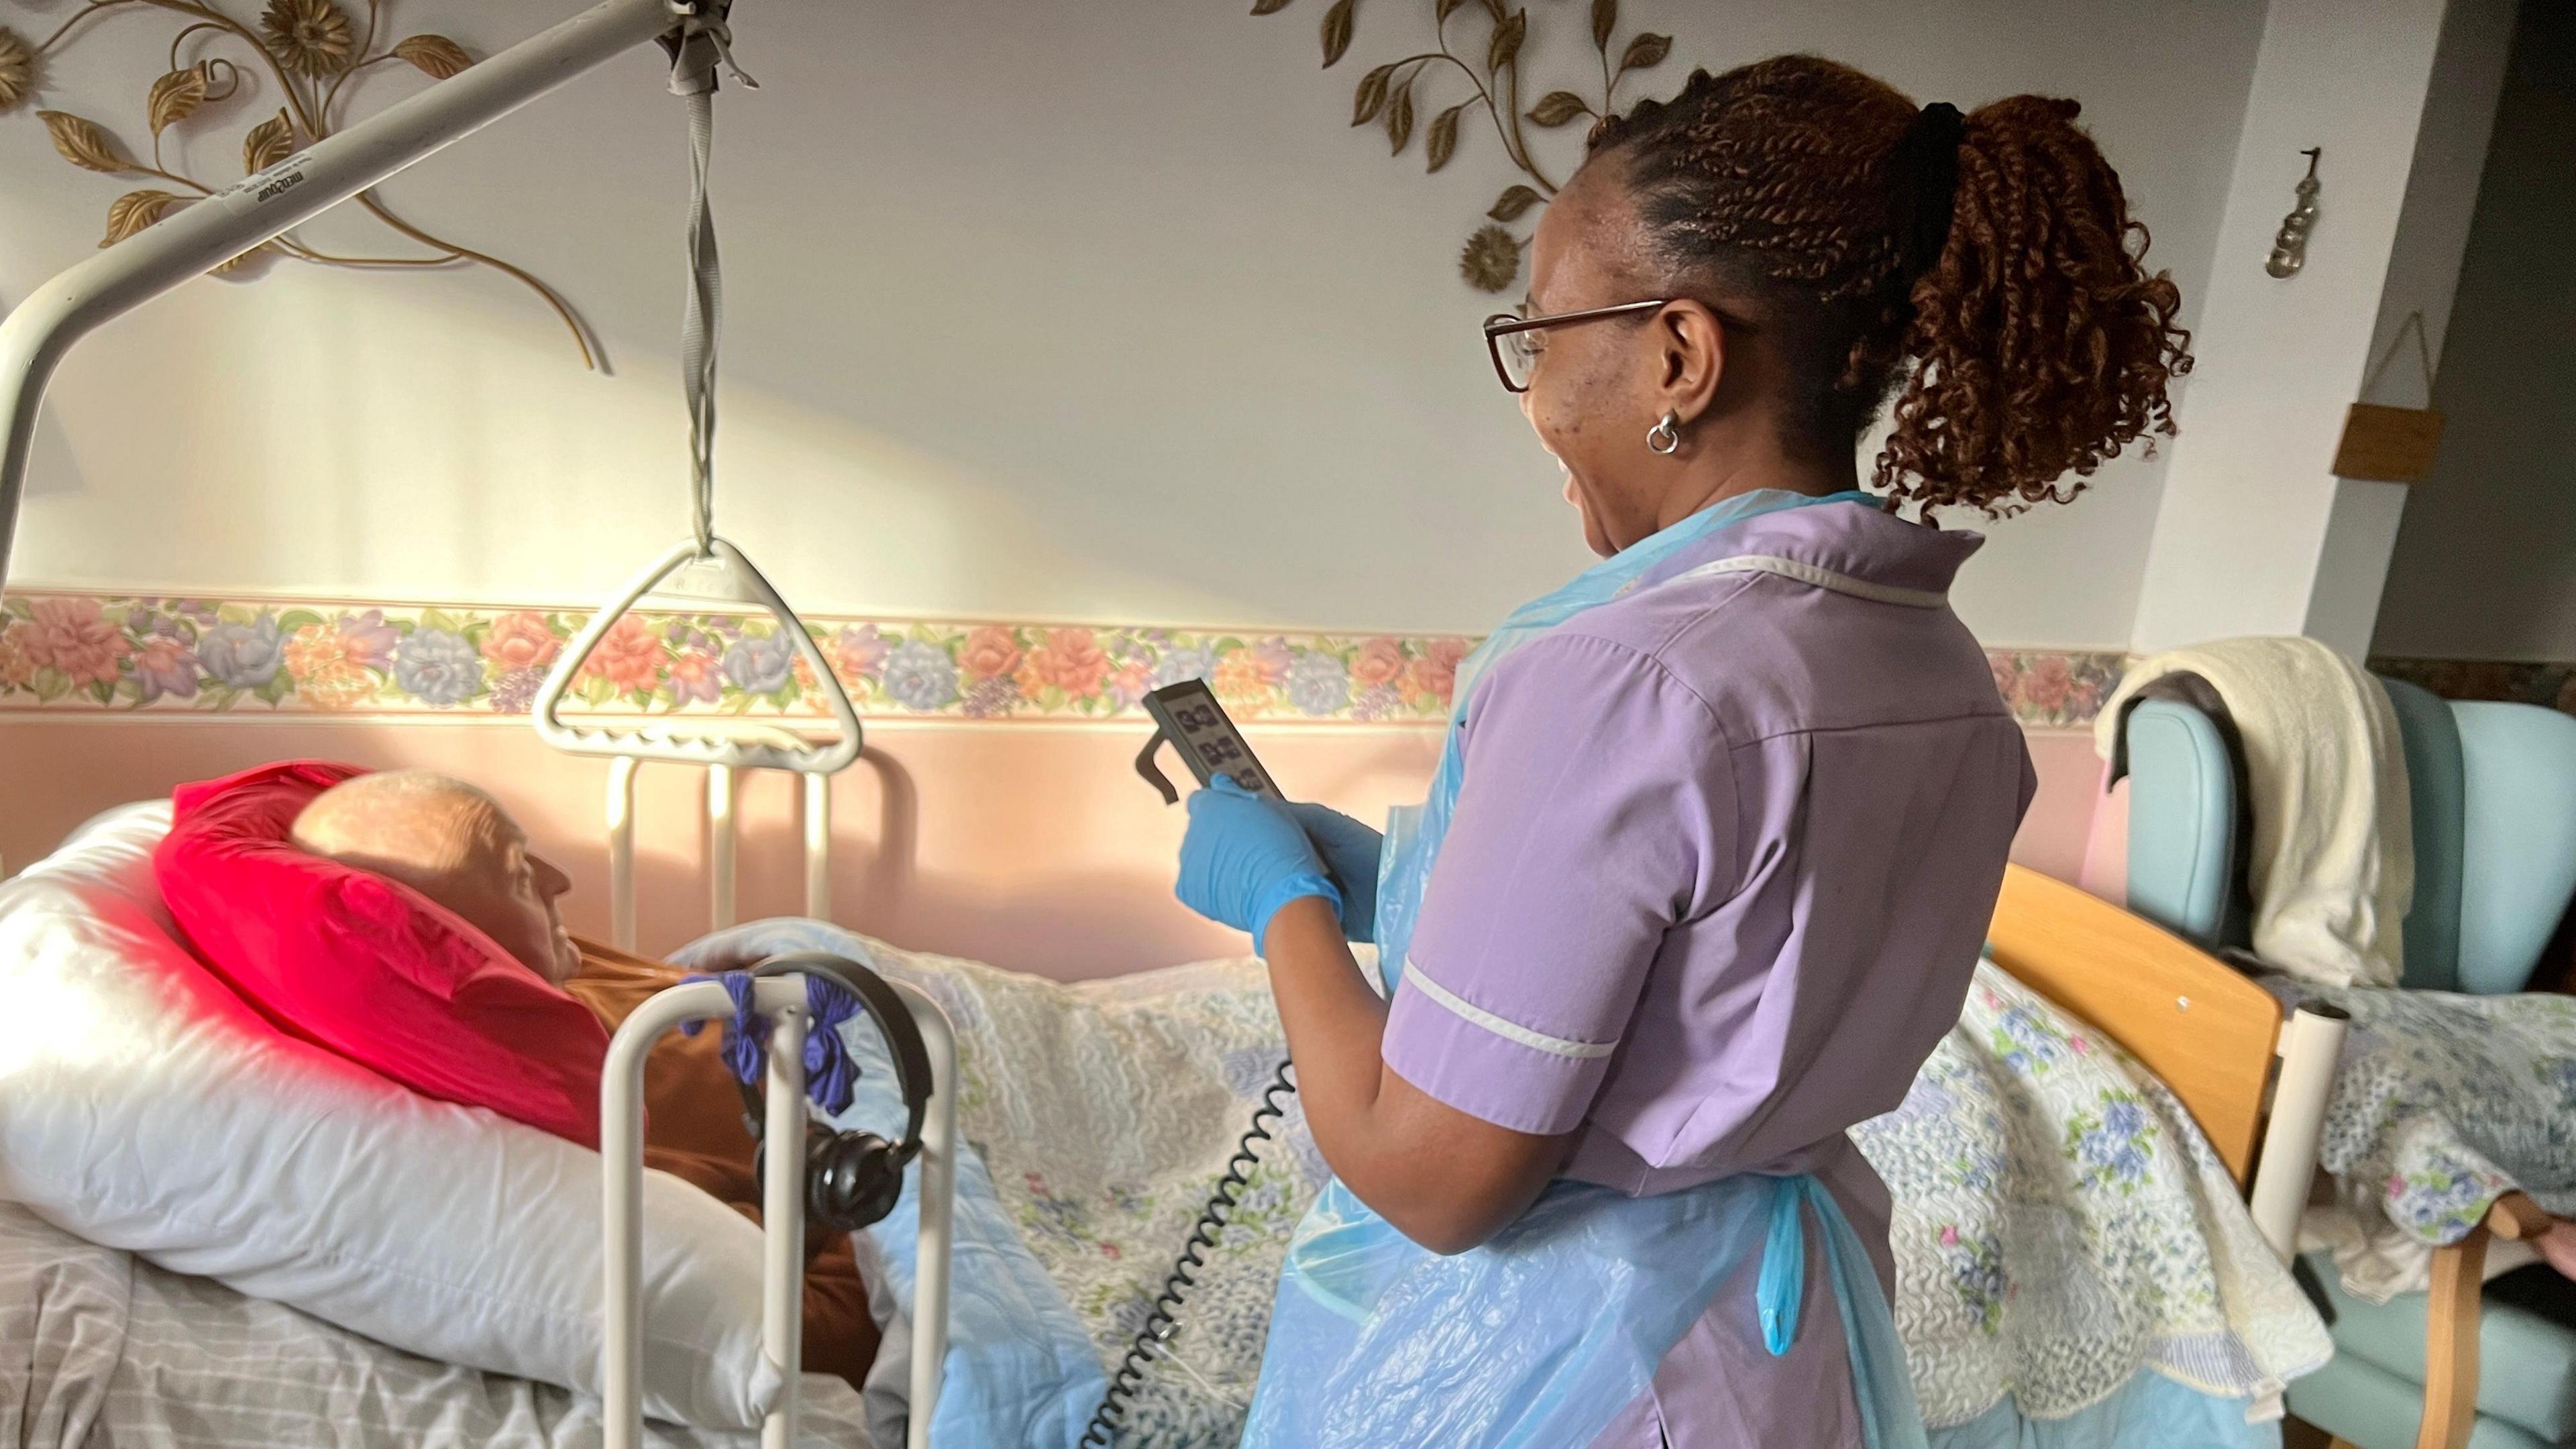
[(2494, 804)]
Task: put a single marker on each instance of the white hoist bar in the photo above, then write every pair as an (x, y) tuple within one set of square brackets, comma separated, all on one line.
[(724, 786), (189, 243)]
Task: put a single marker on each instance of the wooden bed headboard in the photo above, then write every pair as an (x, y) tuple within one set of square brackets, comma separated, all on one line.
[(2196, 1022)]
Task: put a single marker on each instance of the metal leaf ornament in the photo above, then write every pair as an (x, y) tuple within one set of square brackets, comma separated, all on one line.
[(174, 98), (1558, 107), (1387, 95), (1337, 29), (437, 56), (268, 143), (1505, 47), (311, 54), (84, 145), (1514, 201), (134, 211), (1370, 98), (1442, 142), (1645, 51)]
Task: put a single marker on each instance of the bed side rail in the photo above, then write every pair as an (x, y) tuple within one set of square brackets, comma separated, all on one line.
[(621, 1143)]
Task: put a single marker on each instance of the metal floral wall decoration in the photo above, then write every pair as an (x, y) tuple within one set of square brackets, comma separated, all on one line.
[(310, 50), (1491, 258)]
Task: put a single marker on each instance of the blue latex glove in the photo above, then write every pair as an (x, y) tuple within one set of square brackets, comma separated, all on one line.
[(1244, 857), (1350, 852)]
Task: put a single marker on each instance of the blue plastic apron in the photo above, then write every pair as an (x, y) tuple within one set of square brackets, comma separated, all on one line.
[(1538, 1339)]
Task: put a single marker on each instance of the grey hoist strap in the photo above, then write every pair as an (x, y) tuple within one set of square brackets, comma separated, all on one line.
[(704, 43)]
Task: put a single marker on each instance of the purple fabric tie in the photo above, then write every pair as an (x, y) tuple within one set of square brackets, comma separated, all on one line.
[(831, 1073)]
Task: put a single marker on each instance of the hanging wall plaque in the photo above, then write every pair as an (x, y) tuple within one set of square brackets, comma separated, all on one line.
[(2390, 444)]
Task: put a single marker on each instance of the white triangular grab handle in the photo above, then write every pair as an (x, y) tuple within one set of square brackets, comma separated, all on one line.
[(659, 742)]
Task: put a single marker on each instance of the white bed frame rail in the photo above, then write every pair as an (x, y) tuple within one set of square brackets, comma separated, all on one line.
[(621, 1142), (724, 830), (2310, 1047)]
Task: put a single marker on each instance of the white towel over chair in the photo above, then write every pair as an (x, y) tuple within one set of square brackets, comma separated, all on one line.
[(2332, 862)]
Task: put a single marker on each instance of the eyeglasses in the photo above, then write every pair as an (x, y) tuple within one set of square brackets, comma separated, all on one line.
[(1513, 337)]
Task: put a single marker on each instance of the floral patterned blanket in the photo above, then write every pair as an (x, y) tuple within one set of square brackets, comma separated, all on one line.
[(2442, 1104), (2060, 1224)]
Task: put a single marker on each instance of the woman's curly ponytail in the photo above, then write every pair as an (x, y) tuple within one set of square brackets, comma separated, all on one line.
[(2032, 343)]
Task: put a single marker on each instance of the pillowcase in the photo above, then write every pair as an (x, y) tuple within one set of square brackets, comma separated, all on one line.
[(144, 1106), (367, 967)]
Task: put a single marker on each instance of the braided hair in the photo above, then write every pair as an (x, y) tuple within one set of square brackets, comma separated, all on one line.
[(1993, 252)]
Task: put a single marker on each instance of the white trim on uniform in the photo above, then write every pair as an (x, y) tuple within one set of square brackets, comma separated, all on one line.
[(1475, 1015), (1823, 578)]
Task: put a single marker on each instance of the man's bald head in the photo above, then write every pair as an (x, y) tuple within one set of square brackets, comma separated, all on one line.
[(454, 844), (400, 823)]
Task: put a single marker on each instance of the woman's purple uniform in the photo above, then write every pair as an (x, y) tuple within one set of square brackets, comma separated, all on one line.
[(1719, 873)]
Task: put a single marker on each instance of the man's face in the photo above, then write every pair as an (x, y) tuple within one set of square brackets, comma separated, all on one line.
[(509, 894)]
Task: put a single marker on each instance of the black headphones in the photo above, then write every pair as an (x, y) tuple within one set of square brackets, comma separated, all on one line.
[(852, 1179)]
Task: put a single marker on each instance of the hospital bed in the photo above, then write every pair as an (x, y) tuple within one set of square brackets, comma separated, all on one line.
[(1101, 1109)]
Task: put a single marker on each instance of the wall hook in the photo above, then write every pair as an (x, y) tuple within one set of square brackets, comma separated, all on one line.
[(2290, 243)]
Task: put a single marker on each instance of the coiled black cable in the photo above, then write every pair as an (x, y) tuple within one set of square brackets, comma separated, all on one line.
[(1159, 1325)]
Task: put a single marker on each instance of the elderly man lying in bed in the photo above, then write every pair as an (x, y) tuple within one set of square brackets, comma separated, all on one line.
[(455, 845)]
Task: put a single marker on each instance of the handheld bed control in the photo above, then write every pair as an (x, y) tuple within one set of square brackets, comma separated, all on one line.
[(1187, 715)]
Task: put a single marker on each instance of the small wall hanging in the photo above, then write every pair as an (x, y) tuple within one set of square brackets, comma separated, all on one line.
[(2290, 243), (310, 50), (2392, 445), (1491, 259)]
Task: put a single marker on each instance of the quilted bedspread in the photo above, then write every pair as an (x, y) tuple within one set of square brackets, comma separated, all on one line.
[(2060, 1224)]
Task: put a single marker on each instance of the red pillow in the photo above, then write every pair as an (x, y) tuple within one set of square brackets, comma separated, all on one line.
[(368, 968)]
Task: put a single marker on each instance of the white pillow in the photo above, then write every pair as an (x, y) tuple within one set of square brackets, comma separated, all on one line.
[(143, 1107)]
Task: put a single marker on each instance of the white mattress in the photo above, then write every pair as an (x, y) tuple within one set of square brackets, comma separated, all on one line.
[(100, 1349)]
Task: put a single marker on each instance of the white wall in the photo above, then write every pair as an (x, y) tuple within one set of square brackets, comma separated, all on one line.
[(2256, 535), (1062, 310), (2485, 567), (2423, 278), (2442, 188)]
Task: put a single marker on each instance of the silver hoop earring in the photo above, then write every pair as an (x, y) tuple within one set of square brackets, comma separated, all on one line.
[(1665, 437)]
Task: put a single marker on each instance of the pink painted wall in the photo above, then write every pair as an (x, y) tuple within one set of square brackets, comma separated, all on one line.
[(1030, 846), (2055, 834)]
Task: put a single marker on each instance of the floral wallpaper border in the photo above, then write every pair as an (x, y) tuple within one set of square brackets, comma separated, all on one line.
[(123, 653)]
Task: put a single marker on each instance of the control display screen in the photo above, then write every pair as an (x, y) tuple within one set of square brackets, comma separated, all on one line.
[(1197, 724)]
